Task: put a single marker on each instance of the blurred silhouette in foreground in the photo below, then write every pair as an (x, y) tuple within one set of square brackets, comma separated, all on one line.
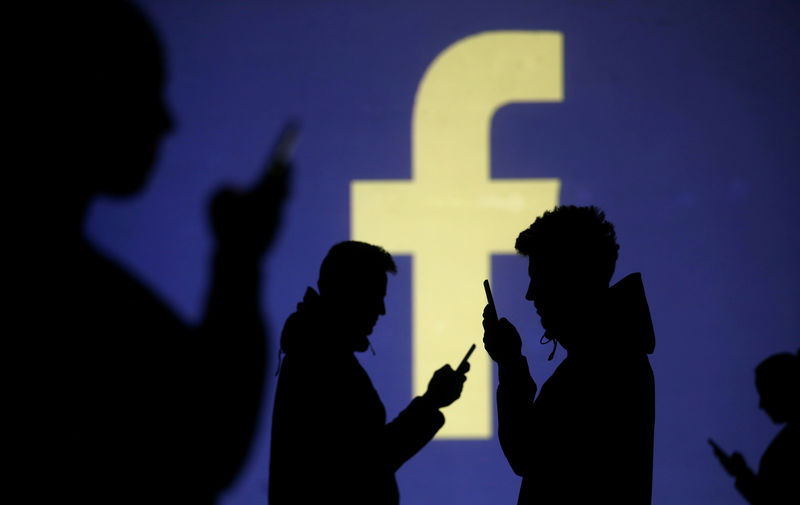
[(778, 385), (588, 436), (330, 439), (135, 406)]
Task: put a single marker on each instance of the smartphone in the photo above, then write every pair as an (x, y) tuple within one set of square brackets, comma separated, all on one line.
[(463, 363), (490, 299), (717, 450), (284, 147)]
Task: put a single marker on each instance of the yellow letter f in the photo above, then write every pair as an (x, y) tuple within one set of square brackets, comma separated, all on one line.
[(451, 216)]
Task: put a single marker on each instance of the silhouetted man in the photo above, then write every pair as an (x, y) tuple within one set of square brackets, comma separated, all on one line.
[(330, 439), (778, 385), (132, 405), (588, 436)]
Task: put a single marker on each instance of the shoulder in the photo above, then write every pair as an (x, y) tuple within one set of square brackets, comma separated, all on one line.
[(315, 369), (784, 447)]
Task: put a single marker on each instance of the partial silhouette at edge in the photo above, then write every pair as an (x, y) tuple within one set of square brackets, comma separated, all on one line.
[(125, 402), (775, 483)]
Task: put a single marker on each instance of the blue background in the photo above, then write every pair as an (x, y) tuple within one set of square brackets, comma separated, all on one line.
[(680, 120)]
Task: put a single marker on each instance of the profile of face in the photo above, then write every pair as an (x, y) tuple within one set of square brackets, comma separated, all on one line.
[(564, 296), (774, 400), (119, 115), (359, 306), (134, 129)]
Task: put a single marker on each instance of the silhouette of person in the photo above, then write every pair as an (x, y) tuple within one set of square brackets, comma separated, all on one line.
[(588, 436), (330, 439), (778, 385), (133, 405)]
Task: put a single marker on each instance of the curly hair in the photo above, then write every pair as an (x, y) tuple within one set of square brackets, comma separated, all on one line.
[(569, 233)]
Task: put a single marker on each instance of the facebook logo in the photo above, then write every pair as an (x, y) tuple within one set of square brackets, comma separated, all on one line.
[(439, 132), (452, 203)]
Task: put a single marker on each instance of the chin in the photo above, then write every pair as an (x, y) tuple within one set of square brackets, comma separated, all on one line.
[(361, 345), (777, 418), (549, 328), (545, 324), (128, 180)]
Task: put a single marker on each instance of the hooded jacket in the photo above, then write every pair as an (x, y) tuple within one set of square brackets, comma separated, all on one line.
[(330, 439), (588, 437)]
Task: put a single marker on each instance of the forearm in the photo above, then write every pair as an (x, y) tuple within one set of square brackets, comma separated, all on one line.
[(413, 428), (232, 358), (748, 485), (515, 413), (232, 334), (234, 296)]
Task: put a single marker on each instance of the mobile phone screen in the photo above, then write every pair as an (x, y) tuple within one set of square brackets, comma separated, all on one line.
[(282, 152)]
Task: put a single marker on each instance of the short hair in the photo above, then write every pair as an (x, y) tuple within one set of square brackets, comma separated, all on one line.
[(351, 260), (107, 39), (573, 233), (780, 370)]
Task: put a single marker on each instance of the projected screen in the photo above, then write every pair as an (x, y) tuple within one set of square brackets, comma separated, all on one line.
[(439, 130)]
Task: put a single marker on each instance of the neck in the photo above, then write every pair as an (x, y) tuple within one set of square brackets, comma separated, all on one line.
[(50, 221), (337, 325), (63, 210), (70, 222)]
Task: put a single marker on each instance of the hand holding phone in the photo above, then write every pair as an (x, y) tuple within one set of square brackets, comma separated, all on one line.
[(500, 339), (445, 386), (245, 220), (733, 463)]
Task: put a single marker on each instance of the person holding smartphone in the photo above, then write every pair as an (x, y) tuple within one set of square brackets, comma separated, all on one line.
[(330, 439), (123, 400), (778, 385), (588, 436)]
